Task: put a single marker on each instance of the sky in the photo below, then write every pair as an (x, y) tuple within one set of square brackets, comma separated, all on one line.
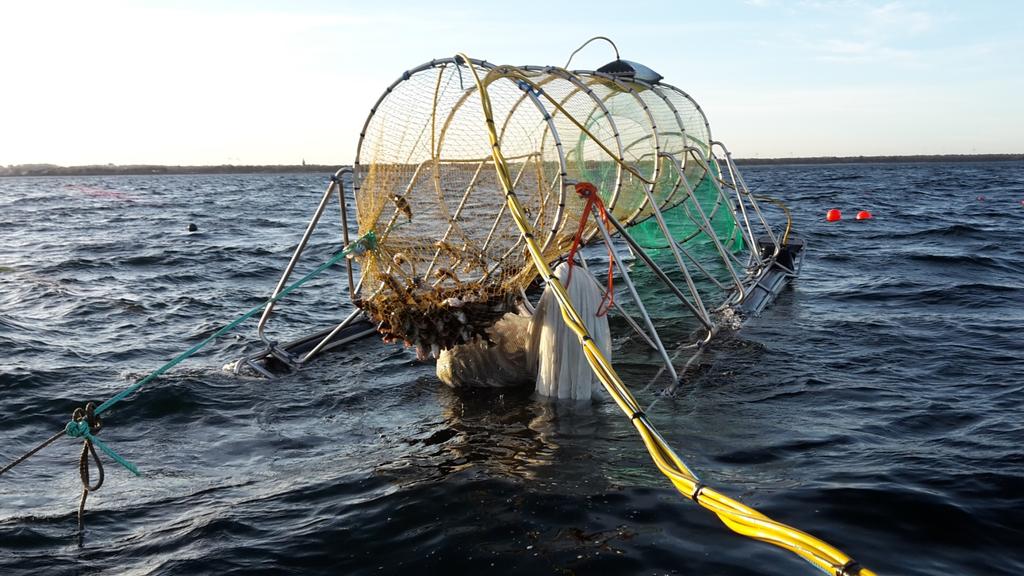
[(257, 82)]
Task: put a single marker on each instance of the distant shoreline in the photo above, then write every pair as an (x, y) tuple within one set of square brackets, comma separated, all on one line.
[(911, 159), (156, 169)]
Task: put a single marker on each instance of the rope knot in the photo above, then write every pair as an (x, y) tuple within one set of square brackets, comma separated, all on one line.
[(77, 429), (365, 243), (84, 422), (586, 189)]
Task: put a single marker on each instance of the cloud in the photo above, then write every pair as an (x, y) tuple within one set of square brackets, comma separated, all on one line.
[(897, 16), (835, 50), (858, 31)]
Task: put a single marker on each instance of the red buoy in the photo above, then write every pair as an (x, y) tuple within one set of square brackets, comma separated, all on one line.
[(864, 215), (833, 215)]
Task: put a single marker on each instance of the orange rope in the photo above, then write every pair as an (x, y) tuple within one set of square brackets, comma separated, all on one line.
[(588, 191)]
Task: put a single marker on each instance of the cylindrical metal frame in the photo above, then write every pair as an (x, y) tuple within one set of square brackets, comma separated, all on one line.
[(694, 161)]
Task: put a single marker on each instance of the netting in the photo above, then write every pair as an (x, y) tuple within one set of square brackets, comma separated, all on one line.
[(685, 226), (448, 260)]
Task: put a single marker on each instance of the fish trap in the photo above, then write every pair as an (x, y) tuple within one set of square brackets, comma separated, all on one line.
[(439, 254), (449, 259)]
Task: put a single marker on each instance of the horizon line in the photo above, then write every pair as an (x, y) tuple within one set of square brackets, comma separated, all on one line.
[(307, 164), (48, 169)]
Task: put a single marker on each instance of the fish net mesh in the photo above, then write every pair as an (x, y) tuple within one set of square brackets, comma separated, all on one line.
[(448, 260)]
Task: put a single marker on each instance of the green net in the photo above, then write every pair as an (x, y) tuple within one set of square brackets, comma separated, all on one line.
[(686, 227)]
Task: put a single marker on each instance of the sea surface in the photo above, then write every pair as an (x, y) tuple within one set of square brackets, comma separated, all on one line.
[(878, 404)]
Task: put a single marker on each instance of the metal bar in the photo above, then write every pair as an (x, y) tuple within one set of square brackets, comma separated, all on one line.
[(741, 208), (294, 259), (251, 364), (705, 224), (352, 338), (562, 168), (344, 323), (717, 182), (671, 388), (636, 297), (344, 224), (639, 251), (743, 184), (701, 267), (454, 217), (701, 229), (625, 315), (702, 311), (526, 302)]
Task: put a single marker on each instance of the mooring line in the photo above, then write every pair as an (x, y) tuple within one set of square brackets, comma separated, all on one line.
[(79, 426), (32, 452)]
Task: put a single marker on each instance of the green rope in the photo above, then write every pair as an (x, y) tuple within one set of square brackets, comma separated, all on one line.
[(79, 428), (75, 428)]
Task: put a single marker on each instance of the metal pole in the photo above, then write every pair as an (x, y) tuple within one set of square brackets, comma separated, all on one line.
[(636, 296), (344, 323), (344, 223), (639, 251), (753, 203), (625, 315), (705, 225), (295, 258), (454, 217), (701, 310)]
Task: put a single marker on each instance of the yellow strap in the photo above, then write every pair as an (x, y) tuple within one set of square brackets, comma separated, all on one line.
[(738, 517)]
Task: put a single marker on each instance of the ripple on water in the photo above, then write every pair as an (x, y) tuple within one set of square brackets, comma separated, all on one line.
[(876, 405)]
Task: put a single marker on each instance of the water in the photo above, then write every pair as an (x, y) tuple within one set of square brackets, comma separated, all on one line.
[(879, 404)]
